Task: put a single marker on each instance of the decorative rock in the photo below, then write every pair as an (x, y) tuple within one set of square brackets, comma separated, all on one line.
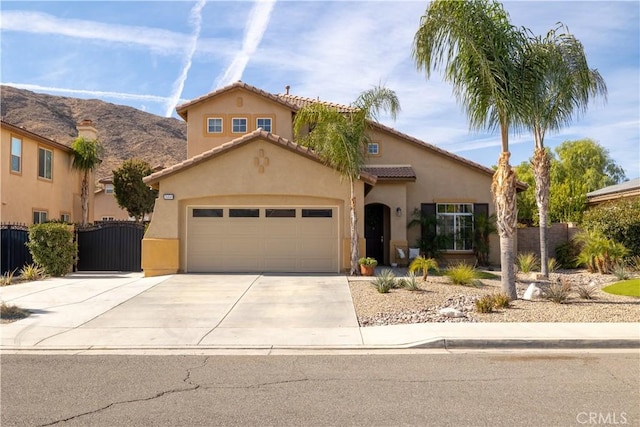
[(451, 312), (533, 291)]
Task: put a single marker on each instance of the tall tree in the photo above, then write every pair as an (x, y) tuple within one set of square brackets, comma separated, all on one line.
[(481, 54), (340, 140), (131, 192), (562, 91), (86, 158)]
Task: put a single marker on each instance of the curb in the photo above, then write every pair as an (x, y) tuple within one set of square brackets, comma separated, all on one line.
[(550, 344)]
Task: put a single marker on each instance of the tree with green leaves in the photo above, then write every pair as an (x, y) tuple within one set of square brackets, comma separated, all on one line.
[(86, 158), (340, 140), (131, 192), (562, 92), (481, 53)]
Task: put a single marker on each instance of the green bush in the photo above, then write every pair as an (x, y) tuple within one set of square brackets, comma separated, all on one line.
[(501, 300), (52, 247), (385, 281), (32, 272), (462, 274), (410, 283), (527, 262), (566, 254), (618, 220), (485, 304), (558, 291)]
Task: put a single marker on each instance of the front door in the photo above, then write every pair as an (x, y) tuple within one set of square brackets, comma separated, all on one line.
[(376, 231)]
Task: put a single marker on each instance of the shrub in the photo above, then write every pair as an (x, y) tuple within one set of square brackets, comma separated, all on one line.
[(485, 304), (385, 281), (423, 264), (634, 262), (552, 265), (410, 283), (32, 272), (462, 274), (586, 291), (566, 254), (12, 312), (618, 220), (620, 271), (368, 261), (501, 300), (557, 291), (599, 253), (52, 247), (7, 278), (527, 262)]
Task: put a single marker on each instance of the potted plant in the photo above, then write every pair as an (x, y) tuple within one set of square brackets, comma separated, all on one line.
[(367, 265)]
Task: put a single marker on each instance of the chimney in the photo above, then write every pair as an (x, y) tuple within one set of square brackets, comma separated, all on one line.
[(287, 87), (86, 129)]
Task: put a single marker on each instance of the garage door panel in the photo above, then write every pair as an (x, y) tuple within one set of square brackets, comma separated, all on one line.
[(254, 244)]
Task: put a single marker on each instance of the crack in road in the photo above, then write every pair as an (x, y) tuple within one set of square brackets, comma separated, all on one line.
[(186, 380)]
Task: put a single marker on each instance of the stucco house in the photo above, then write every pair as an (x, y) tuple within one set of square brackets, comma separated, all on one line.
[(37, 182), (249, 199), (628, 189)]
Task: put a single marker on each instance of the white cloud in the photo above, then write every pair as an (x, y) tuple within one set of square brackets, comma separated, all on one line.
[(195, 17), (255, 27)]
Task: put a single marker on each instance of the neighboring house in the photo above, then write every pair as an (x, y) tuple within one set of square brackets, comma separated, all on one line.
[(249, 199), (106, 206), (629, 189), (38, 183)]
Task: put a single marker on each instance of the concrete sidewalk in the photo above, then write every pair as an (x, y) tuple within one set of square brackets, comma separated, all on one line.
[(251, 311)]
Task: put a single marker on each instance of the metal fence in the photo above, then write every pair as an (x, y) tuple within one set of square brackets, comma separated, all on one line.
[(110, 246), (14, 254)]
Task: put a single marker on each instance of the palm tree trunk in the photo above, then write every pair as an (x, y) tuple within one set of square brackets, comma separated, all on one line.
[(504, 195), (354, 231), (541, 172), (84, 196)]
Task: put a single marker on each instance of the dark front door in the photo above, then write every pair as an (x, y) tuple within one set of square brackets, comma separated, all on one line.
[(374, 231)]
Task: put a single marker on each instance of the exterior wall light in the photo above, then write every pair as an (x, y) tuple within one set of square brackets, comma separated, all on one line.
[(398, 211)]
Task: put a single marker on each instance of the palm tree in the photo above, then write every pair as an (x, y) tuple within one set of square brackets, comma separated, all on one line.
[(562, 91), (424, 264), (86, 158), (481, 55), (340, 139)]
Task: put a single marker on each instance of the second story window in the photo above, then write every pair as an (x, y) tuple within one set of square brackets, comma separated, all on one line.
[(16, 154), (45, 163), (264, 123), (214, 125), (239, 125), (108, 188), (373, 148)]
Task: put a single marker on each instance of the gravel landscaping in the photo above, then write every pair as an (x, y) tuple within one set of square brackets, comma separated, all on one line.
[(403, 306)]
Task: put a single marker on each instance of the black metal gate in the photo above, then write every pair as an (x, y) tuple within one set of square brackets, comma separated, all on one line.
[(110, 246), (14, 254)]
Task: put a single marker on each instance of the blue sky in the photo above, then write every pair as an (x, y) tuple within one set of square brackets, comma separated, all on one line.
[(153, 55)]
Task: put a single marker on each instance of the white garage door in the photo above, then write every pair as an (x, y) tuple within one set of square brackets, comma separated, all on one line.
[(272, 239)]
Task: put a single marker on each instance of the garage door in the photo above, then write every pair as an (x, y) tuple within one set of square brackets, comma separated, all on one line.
[(272, 239)]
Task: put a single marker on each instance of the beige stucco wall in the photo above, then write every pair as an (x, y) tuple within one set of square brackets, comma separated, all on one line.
[(234, 103), (105, 205), (233, 178), (23, 193)]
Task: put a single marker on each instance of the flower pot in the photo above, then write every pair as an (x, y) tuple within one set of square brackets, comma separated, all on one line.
[(367, 270)]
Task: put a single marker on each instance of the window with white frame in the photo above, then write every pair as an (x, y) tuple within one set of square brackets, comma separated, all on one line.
[(45, 163), (65, 217), (214, 125), (108, 188), (264, 123), (373, 148), (239, 125), (39, 217), (16, 154), (455, 220)]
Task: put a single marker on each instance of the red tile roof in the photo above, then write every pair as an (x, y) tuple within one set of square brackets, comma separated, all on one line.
[(391, 172)]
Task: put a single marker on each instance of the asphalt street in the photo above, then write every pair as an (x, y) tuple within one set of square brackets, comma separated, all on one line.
[(422, 388)]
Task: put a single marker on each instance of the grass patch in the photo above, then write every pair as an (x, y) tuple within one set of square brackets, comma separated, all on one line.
[(630, 288), (486, 275), (12, 312)]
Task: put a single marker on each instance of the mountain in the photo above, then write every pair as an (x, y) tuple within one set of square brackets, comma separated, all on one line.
[(125, 132)]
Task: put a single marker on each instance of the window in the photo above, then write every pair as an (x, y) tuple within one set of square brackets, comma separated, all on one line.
[(39, 217), (244, 213), (207, 213), (455, 220), (16, 154), (280, 213), (317, 213), (45, 162), (264, 123), (239, 125), (214, 125), (65, 217), (108, 218), (373, 148), (108, 188)]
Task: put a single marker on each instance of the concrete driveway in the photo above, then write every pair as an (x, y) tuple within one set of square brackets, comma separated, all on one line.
[(128, 310)]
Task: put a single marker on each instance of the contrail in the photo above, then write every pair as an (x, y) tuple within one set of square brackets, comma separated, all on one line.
[(97, 93), (195, 16), (254, 29)]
